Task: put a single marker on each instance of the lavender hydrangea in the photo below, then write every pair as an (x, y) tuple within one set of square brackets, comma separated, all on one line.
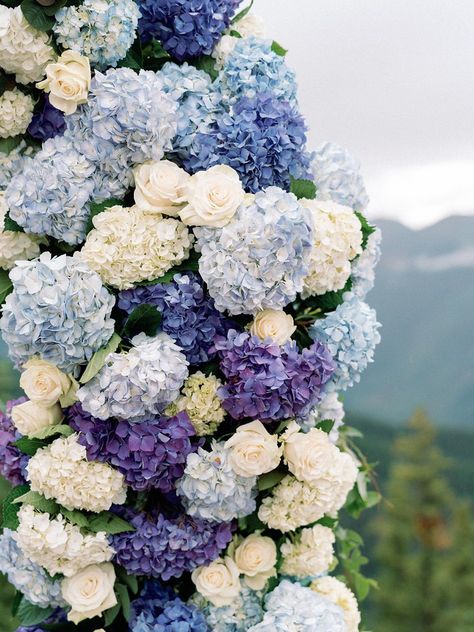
[(351, 335), (12, 461), (188, 314), (68, 327), (163, 547), (186, 28), (102, 31), (363, 268), (211, 490), (139, 383), (150, 454), (47, 123), (260, 258), (267, 381)]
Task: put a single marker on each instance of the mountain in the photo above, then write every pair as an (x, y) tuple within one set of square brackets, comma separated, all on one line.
[(424, 296)]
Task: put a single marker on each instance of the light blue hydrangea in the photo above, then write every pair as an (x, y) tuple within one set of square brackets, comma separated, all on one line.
[(50, 195), (137, 384), (13, 162), (363, 268), (351, 334), (252, 68), (242, 614), (260, 258), (294, 607), (59, 310), (338, 178), (210, 489), (102, 30), (26, 576)]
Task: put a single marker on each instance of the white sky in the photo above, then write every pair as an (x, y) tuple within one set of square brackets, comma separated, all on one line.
[(393, 81)]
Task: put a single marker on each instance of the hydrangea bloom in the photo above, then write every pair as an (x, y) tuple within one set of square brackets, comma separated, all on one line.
[(50, 195), (260, 258), (363, 268), (12, 461), (102, 31), (159, 243), (337, 177), (338, 593), (68, 328), (57, 545), (27, 576), (267, 381), (15, 245), (310, 555), (150, 454), (188, 315), (61, 471), (291, 606), (250, 25), (240, 616), (186, 28), (330, 407), (139, 383), (13, 162), (210, 489), (351, 335), (47, 123), (164, 547), (16, 112)]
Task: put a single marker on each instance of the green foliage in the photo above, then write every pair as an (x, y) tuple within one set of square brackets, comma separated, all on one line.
[(269, 480), (303, 188), (99, 358), (98, 207), (154, 56), (108, 522), (30, 614), (367, 229), (10, 509), (11, 225), (6, 286), (145, 318), (351, 560), (8, 144), (38, 501), (207, 64), (52, 431), (134, 57), (36, 15), (279, 50), (190, 265), (243, 13), (29, 446)]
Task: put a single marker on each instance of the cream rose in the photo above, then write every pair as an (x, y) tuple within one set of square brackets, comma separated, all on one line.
[(218, 582), (213, 197), (254, 450), (68, 81), (89, 592), (29, 417), (273, 323), (159, 187), (309, 455), (43, 383), (256, 558)]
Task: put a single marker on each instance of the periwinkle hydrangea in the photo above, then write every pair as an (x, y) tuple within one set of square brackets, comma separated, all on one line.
[(138, 383), (244, 612), (102, 31), (260, 258), (351, 334), (211, 490), (363, 268), (12, 461), (68, 327)]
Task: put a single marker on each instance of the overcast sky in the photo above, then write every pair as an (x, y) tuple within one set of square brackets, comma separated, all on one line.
[(393, 81)]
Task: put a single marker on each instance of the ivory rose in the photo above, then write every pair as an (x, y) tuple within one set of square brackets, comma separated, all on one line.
[(273, 323), (256, 558), (68, 81), (254, 450), (29, 417), (218, 582), (89, 592), (159, 187), (45, 384)]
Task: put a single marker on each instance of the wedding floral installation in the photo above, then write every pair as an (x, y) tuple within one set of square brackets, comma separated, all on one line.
[(183, 287)]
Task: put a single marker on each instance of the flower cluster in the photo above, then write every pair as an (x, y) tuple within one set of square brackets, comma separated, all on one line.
[(363, 268), (311, 555), (339, 594), (13, 161), (244, 612), (329, 408), (12, 461), (16, 112), (15, 245), (47, 123)]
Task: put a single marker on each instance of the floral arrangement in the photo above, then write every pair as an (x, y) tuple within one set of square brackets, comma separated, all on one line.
[(182, 288)]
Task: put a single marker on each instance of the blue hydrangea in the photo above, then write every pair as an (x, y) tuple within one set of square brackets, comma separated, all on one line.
[(101, 30), (241, 615), (50, 195), (363, 268), (26, 576), (338, 178), (210, 489), (58, 310), (291, 606), (262, 138), (13, 162), (186, 28), (260, 258), (351, 334)]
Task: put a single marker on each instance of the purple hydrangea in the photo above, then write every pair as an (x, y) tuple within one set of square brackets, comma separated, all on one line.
[(186, 28), (12, 461), (269, 382), (150, 454), (164, 547), (47, 123), (188, 315)]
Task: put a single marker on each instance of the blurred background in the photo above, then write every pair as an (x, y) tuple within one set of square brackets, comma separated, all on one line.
[(393, 82)]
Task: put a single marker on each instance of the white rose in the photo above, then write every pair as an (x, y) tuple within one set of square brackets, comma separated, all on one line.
[(256, 558), (218, 582), (253, 450), (273, 323), (68, 81), (44, 383), (309, 455), (89, 592), (213, 197), (159, 187), (29, 417)]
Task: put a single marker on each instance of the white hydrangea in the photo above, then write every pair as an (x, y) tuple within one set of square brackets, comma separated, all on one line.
[(57, 545), (128, 245), (337, 240), (337, 592), (310, 555), (363, 268), (61, 471), (200, 400), (330, 407), (16, 112), (24, 51), (15, 245), (250, 25)]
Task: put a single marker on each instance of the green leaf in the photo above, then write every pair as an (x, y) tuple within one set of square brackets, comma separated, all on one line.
[(111, 614), (124, 599), (11, 225), (11, 3), (99, 358), (133, 59), (154, 55), (10, 510), (279, 50), (54, 8), (29, 614), (367, 229), (35, 15), (326, 425), (16, 603), (29, 446), (8, 144), (243, 13), (269, 480), (235, 33), (303, 188), (145, 318), (59, 429), (6, 286), (110, 523), (38, 501), (98, 207), (207, 64), (130, 580), (76, 517)]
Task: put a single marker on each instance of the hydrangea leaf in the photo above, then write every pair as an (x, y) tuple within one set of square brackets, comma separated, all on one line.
[(6, 286), (279, 50), (207, 64), (110, 523), (8, 144), (98, 359), (38, 501), (35, 15), (30, 614), (111, 614), (123, 599), (10, 509), (303, 188), (29, 446), (144, 318), (243, 13), (60, 429), (11, 225), (75, 517), (269, 480), (367, 229)]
